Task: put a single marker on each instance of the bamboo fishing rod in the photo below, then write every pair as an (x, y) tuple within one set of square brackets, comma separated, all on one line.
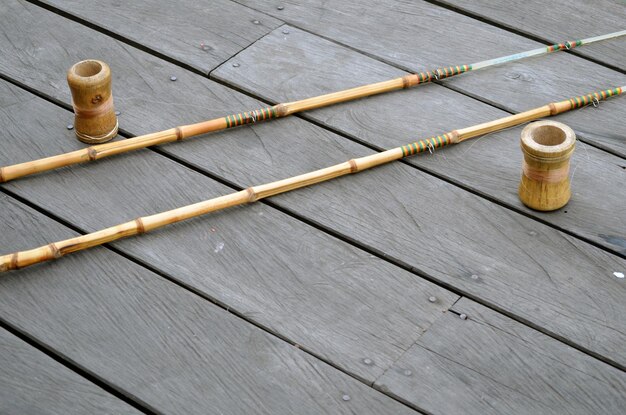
[(277, 111), (252, 194)]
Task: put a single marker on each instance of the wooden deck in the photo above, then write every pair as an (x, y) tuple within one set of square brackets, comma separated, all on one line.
[(344, 297)]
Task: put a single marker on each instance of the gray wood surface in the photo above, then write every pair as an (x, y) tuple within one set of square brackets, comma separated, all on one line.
[(279, 272), (418, 36), (490, 364), (559, 20), (417, 32), (158, 342), (553, 281), (489, 165), (33, 383), (203, 34)]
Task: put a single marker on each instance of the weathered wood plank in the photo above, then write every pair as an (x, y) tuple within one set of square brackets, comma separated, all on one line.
[(545, 20), (33, 383), (530, 270), (203, 34), (160, 343), (555, 77), (490, 166), (418, 36), (412, 32), (490, 364), (281, 273)]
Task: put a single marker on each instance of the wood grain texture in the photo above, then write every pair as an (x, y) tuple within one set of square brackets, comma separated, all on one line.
[(490, 364), (33, 383), (530, 270), (398, 32), (203, 34), (490, 165), (160, 343), (319, 292), (546, 20)]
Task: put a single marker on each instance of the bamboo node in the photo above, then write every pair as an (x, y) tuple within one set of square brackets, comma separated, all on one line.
[(281, 110), (140, 226), (14, 262), (354, 167), (406, 81), (553, 109), (252, 197), (92, 153), (56, 252), (179, 133), (454, 136)]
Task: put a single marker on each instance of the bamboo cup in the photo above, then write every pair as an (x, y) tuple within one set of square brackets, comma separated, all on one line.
[(94, 116), (547, 148)]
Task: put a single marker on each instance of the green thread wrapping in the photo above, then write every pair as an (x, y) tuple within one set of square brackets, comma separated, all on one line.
[(250, 117), (582, 100), (424, 145), (442, 73)]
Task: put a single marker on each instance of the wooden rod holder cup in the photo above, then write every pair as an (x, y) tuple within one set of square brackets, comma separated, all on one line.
[(94, 116), (547, 148)]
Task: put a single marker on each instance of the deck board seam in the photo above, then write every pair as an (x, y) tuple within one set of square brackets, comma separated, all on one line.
[(517, 31), (353, 242), (190, 68), (102, 383), (443, 5), (208, 74), (180, 284), (475, 97), (370, 250)]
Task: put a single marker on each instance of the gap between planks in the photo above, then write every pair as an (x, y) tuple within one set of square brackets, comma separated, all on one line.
[(132, 400), (518, 32), (183, 65), (335, 234), (102, 383), (447, 85), (293, 214)]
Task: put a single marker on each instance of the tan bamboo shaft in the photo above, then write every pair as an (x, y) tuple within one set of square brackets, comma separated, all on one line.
[(97, 152), (252, 194), (148, 223), (277, 111)]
